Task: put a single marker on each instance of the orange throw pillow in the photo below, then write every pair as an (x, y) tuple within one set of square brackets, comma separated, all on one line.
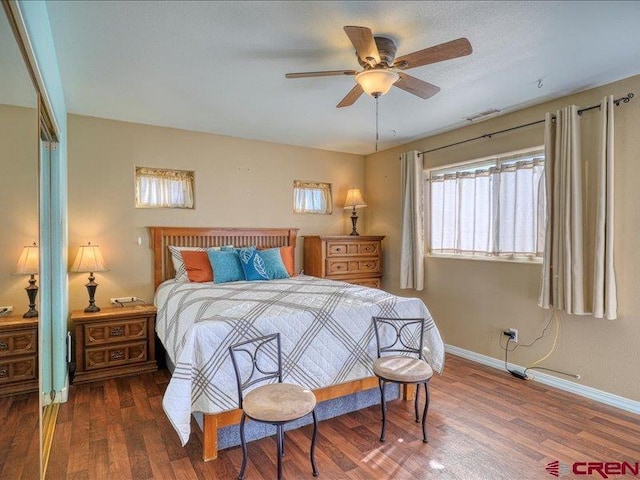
[(198, 266), (288, 258)]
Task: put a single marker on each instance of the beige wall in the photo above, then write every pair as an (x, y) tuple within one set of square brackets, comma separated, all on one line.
[(472, 301), (18, 198), (239, 183)]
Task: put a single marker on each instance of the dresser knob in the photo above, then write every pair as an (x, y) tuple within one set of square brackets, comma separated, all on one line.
[(3, 346), (117, 331), (3, 372), (117, 355)]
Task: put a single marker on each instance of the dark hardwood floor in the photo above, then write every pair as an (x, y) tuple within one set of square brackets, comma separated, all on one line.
[(482, 424), (19, 437)]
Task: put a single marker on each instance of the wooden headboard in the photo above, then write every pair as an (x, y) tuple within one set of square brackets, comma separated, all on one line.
[(163, 237)]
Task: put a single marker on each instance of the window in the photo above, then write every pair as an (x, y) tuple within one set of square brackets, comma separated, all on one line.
[(162, 188), (312, 197), (489, 208)]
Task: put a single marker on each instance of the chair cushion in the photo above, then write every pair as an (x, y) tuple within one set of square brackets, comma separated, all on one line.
[(278, 402), (398, 368)]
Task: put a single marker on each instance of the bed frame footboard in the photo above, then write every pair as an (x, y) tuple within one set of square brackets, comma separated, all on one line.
[(211, 422)]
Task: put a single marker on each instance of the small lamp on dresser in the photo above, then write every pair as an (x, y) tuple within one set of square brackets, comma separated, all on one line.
[(354, 200), (28, 264), (89, 260)]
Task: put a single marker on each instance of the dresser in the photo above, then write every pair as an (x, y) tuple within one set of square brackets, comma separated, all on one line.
[(353, 259), (18, 355), (114, 342)]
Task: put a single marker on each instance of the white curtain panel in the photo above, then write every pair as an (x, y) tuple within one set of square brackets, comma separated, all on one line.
[(563, 276), (166, 191), (312, 197), (563, 265), (412, 240), (491, 211), (605, 303)]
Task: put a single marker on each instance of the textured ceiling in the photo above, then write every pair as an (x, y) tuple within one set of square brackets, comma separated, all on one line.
[(219, 66)]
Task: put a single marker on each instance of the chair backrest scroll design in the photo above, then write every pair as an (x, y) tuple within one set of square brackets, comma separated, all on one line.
[(403, 332), (264, 362)]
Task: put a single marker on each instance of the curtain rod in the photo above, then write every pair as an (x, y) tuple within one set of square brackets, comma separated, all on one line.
[(617, 102)]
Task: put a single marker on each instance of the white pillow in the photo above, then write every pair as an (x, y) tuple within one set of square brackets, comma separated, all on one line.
[(178, 263)]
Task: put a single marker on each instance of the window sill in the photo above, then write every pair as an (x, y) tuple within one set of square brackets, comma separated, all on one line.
[(525, 260)]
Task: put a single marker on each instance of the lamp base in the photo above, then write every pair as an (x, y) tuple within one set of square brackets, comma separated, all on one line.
[(354, 221), (32, 291), (91, 288), (31, 313)]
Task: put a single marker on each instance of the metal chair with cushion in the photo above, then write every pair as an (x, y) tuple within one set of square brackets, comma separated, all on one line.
[(260, 360), (401, 338)]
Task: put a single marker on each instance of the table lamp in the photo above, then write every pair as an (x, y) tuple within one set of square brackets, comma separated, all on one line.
[(89, 259), (28, 264), (354, 200)]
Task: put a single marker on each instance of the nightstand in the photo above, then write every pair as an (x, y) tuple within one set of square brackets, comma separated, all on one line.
[(354, 259), (114, 342), (18, 355)]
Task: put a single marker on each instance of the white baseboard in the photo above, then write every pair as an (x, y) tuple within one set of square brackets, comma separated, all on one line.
[(60, 396), (559, 383)]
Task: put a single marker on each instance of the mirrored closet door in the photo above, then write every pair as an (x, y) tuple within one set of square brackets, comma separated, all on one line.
[(20, 406)]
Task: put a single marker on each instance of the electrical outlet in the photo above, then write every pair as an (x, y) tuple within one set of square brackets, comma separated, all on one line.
[(120, 300), (6, 310), (514, 335)]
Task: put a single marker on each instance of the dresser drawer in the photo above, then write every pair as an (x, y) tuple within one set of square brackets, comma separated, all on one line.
[(18, 342), (366, 282), (115, 355), (18, 369), (115, 331), (345, 266), (341, 249)]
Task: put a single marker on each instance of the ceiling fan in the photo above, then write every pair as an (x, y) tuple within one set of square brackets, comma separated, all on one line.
[(381, 70)]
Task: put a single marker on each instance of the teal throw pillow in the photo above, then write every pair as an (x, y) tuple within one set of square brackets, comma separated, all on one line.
[(274, 264), (225, 265)]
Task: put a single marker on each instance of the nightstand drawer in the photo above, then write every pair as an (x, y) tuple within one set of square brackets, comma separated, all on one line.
[(120, 331), (18, 343), (350, 248), (115, 355), (337, 267), (114, 342), (18, 369)]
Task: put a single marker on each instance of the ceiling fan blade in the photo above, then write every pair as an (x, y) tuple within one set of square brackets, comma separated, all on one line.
[(416, 86), (365, 44), (351, 97), (326, 73), (444, 51)]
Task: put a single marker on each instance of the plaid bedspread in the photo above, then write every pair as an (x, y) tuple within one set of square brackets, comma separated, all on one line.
[(325, 327)]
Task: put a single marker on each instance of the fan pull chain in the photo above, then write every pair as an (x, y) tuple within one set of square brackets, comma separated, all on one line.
[(377, 123)]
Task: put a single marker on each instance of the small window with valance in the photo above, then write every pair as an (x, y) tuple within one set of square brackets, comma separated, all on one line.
[(164, 188), (312, 197)]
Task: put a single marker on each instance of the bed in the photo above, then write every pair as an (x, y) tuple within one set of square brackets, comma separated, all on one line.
[(325, 326)]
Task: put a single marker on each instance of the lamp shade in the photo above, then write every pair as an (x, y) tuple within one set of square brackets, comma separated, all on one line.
[(354, 199), (28, 263), (377, 81), (89, 259)]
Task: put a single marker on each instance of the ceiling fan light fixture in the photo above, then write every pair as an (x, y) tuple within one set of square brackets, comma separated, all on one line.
[(377, 82)]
